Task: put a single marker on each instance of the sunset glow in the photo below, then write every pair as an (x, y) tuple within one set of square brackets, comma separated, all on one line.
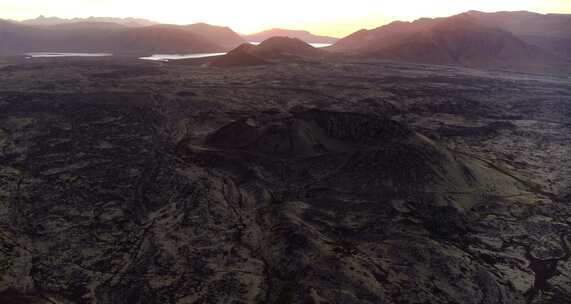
[(335, 18)]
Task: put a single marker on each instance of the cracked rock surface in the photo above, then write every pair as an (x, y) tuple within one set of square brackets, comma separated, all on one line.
[(314, 183)]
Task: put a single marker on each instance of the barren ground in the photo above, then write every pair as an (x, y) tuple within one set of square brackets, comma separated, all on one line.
[(116, 188)]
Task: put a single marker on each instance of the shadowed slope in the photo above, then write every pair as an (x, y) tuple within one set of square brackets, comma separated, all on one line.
[(353, 153), (549, 31), (240, 56), (459, 39)]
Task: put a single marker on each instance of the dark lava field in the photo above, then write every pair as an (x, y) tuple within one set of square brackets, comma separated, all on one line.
[(124, 181)]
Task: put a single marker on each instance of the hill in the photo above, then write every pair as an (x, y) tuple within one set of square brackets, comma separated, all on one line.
[(240, 56), (301, 35), (285, 47), (271, 50), (357, 151)]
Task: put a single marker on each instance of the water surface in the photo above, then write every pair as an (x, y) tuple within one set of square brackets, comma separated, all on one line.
[(320, 45), (167, 57), (55, 54), (315, 45)]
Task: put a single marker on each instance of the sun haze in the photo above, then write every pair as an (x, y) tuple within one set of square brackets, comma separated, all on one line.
[(336, 18)]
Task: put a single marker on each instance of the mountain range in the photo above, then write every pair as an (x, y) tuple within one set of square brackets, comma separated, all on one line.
[(462, 39), (471, 38), (113, 37), (133, 22)]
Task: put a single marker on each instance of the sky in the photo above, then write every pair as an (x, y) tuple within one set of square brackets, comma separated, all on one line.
[(327, 17)]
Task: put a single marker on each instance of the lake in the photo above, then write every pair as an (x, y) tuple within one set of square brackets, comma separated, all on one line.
[(315, 45), (53, 54), (320, 45), (167, 57), (154, 57)]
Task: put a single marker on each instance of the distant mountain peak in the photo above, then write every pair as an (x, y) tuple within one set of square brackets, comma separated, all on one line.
[(48, 21), (277, 29), (283, 40), (303, 35)]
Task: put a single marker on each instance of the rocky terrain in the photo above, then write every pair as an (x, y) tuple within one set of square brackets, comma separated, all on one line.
[(125, 181)]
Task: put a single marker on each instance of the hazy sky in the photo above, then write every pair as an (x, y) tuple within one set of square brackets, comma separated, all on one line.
[(330, 17)]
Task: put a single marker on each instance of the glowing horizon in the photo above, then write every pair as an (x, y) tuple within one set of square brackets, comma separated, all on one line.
[(333, 18)]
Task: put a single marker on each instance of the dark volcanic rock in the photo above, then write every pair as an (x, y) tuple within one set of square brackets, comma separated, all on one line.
[(99, 207), (196, 185)]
